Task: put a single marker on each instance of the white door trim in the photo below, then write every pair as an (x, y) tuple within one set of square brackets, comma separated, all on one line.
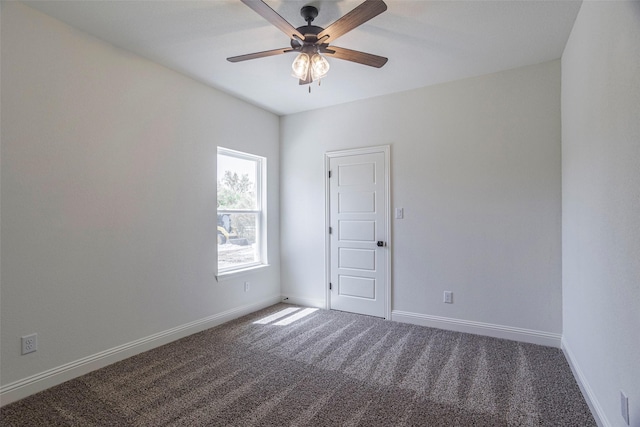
[(386, 149)]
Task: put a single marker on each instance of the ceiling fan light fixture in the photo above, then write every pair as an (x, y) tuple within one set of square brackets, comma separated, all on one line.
[(300, 66), (310, 40), (319, 66)]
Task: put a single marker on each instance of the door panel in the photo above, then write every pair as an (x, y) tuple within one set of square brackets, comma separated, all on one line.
[(360, 259), (356, 174), (356, 202), (358, 287), (364, 231), (358, 217)]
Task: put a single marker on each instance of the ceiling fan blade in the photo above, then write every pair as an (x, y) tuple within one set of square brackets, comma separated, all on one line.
[(354, 56), (272, 16), (256, 55), (358, 16)]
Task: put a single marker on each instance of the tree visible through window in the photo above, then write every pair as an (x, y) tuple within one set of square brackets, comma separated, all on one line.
[(240, 223)]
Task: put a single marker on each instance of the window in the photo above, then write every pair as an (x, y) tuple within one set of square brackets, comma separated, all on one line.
[(241, 211)]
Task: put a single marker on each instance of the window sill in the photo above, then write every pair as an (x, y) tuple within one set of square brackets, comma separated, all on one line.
[(228, 275)]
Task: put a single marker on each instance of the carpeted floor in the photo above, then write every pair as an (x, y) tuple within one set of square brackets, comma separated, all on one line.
[(291, 366)]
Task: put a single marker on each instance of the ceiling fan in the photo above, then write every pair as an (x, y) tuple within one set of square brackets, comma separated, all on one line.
[(310, 41)]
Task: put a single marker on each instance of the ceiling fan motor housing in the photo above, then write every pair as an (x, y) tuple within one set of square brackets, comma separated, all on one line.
[(310, 32)]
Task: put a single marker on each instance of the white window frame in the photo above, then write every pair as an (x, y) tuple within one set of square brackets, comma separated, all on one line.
[(261, 213)]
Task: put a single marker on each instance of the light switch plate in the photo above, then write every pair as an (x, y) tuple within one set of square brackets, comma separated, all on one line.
[(399, 213), (448, 297), (624, 406)]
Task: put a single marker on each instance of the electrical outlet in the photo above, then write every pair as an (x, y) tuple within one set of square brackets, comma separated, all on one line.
[(624, 406), (29, 343), (247, 286), (448, 297)]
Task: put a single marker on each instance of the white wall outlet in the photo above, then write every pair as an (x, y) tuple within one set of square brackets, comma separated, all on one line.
[(399, 213), (624, 406), (29, 343), (247, 286), (448, 297)]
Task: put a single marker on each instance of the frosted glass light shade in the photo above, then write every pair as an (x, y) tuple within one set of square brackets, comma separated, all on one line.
[(300, 66), (319, 66)]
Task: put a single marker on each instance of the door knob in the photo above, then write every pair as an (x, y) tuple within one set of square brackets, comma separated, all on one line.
[(380, 243)]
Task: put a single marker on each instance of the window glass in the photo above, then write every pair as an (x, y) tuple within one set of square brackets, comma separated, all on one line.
[(240, 222)]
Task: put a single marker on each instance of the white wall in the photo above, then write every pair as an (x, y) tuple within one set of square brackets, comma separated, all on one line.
[(108, 197), (601, 204), (476, 166)]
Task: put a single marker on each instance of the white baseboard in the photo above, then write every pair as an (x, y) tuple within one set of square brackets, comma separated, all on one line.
[(587, 391), (27, 386), (307, 302), (479, 328)]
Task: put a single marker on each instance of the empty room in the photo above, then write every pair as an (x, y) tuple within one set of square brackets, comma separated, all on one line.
[(320, 213)]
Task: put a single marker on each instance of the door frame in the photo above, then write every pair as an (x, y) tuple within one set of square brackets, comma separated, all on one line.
[(386, 150)]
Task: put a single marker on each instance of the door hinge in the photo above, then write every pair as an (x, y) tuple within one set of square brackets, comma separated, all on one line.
[(330, 286), (330, 230), (329, 174)]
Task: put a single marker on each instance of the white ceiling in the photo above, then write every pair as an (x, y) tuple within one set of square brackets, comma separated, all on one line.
[(427, 42)]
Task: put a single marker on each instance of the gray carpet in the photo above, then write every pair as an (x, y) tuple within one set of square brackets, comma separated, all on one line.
[(327, 368)]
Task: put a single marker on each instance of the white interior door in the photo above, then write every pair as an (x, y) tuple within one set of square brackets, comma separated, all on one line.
[(358, 220)]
